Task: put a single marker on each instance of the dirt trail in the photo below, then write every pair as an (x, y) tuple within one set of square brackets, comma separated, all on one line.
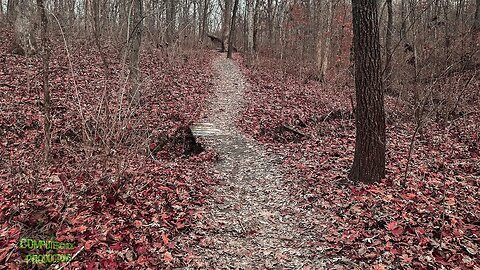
[(251, 223)]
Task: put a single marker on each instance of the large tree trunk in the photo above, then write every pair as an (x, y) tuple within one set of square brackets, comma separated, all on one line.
[(135, 28), (46, 90), (231, 37), (323, 53), (369, 160), (171, 21), (225, 22), (25, 27)]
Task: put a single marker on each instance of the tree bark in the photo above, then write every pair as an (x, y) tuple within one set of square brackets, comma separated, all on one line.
[(171, 20), (96, 34), (135, 40), (225, 22), (446, 7), (324, 44), (250, 29), (413, 19), (204, 20), (403, 17), (388, 48), (369, 160), (255, 22), (231, 37), (270, 23), (25, 27), (46, 90)]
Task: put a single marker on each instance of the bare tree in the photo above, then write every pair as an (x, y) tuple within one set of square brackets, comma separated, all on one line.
[(25, 27), (46, 90), (414, 59), (255, 22), (204, 30), (369, 160), (250, 29), (403, 19), (135, 40), (388, 48), (171, 16), (324, 43), (225, 22), (270, 17), (231, 37)]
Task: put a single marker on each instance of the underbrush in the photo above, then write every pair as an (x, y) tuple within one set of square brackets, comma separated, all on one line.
[(103, 189), (432, 222)]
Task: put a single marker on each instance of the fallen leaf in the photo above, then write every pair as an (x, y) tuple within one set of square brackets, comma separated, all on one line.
[(167, 257)]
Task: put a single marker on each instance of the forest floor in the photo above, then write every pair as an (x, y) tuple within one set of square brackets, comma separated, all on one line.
[(106, 187), (269, 191), (432, 222)]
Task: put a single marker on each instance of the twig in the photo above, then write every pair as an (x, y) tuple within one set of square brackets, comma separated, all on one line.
[(72, 72), (9, 254), (241, 225), (293, 130), (353, 105), (419, 124), (328, 115), (410, 150), (73, 257)]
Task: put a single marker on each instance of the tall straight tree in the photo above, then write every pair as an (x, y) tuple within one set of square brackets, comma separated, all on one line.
[(204, 29), (324, 43), (476, 23), (171, 17), (256, 19), (135, 40), (231, 37), (369, 160), (225, 22), (250, 29), (47, 124)]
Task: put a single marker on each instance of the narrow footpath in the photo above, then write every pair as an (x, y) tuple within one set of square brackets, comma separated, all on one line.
[(251, 223)]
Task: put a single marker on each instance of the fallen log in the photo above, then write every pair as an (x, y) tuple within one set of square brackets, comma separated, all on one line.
[(294, 130)]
